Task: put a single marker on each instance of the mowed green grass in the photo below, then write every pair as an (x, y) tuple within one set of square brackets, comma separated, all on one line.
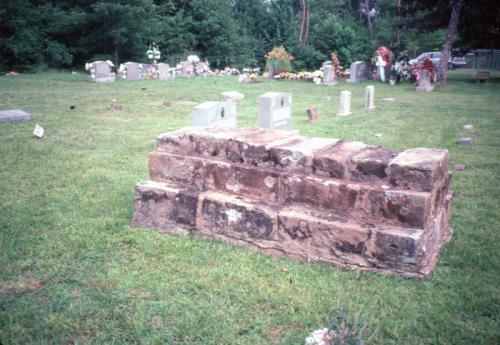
[(73, 270)]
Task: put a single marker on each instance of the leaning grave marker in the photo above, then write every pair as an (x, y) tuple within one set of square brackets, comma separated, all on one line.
[(323, 200), (14, 115)]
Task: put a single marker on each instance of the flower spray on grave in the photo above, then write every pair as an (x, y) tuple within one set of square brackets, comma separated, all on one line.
[(153, 54), (278, 61)]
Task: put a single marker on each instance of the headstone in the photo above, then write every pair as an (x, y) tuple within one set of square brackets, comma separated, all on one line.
[(134, 71), (328, 75), (465, 141), (232, 97), (14, 115), (359, 72), (370, 97), (312, 115), (39, 132), (345, 103), (163, 71), (275, 110), (389, 99), (100, 71), (459, 167), (167, 104), (214, 114), (424, 82), (468, 127), (116, 106)]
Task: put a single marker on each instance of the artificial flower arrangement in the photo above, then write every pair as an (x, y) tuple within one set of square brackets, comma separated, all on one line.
[(278, 60)]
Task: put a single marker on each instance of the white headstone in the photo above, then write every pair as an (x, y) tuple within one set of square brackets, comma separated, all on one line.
[(215, 114), (370, 97), (345, 103), (275, 110), (328, 75), (232, 96)]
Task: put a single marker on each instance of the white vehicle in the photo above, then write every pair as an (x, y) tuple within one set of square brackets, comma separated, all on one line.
[(453, 62)]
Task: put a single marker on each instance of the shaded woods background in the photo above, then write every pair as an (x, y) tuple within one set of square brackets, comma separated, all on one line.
[(67, 33)]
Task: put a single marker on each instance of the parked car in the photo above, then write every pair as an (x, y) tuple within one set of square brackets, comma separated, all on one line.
[(454, 61)]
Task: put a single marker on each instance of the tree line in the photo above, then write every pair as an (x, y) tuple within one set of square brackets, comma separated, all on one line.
[(237, 33)]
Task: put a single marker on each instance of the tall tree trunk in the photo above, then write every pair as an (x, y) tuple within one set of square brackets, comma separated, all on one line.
[(304, 22), (370, 29), (117, 56), (448, 43), (398, 24)]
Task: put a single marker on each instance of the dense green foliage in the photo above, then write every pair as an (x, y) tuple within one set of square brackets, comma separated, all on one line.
[(73, 271), (68, 33)]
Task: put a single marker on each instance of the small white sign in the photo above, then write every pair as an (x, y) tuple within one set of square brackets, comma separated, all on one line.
[(38, 132)]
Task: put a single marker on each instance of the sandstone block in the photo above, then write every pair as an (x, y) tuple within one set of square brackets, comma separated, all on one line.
[(372, 162), (236, 218), (419, 168), (184, 171), (335, 160), (160, 206)]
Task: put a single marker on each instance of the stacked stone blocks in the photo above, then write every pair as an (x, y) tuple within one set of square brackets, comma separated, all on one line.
[(321, 200)]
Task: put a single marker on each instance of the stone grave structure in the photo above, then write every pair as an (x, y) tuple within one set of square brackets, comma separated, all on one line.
[(359, 72), (275, 110), (322, 200), (163, 71), (424, 82), (345, 103), (14, 115), (100, 71), (215, 114), (370, 97), (133, 71), (232, 97)]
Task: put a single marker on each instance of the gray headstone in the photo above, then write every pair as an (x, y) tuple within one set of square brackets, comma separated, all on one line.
[(328, 75), (465, 141), (163, 71), (100, 72), (424, 82), (275, 110), (134, 71), (14, 115), (359, 72), (214, 114)]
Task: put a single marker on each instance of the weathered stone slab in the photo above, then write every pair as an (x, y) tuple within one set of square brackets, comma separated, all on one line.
[(335, 160), (372, 162), (418, 168), (160, 206), (14, 115)]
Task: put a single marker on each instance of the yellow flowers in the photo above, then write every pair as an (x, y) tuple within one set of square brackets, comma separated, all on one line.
[(279, 53)]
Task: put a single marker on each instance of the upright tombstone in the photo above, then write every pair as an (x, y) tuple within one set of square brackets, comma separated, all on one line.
[(424, 82), (133, 71), (359, 72), (328, 75), (100, 71), (232, 97), (345, 103), (214, 114), (370, 97), (275, 110), (163, 71)]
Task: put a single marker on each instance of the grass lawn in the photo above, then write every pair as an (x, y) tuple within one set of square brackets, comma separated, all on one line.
[(73, 271)]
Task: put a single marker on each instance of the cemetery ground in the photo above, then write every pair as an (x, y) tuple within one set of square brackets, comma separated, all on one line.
[(73, 271)]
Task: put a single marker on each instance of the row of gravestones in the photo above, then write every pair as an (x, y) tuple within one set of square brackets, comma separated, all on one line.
[(275, 109), (101, 71)]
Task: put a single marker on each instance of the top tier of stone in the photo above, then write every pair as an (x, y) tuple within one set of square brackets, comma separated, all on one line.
[(418, 169)]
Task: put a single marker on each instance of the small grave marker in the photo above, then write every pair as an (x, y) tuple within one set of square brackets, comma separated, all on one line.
[(214, 114), (345, 103), (39, 132), (312, 114), (370, 97), (465, 141)]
